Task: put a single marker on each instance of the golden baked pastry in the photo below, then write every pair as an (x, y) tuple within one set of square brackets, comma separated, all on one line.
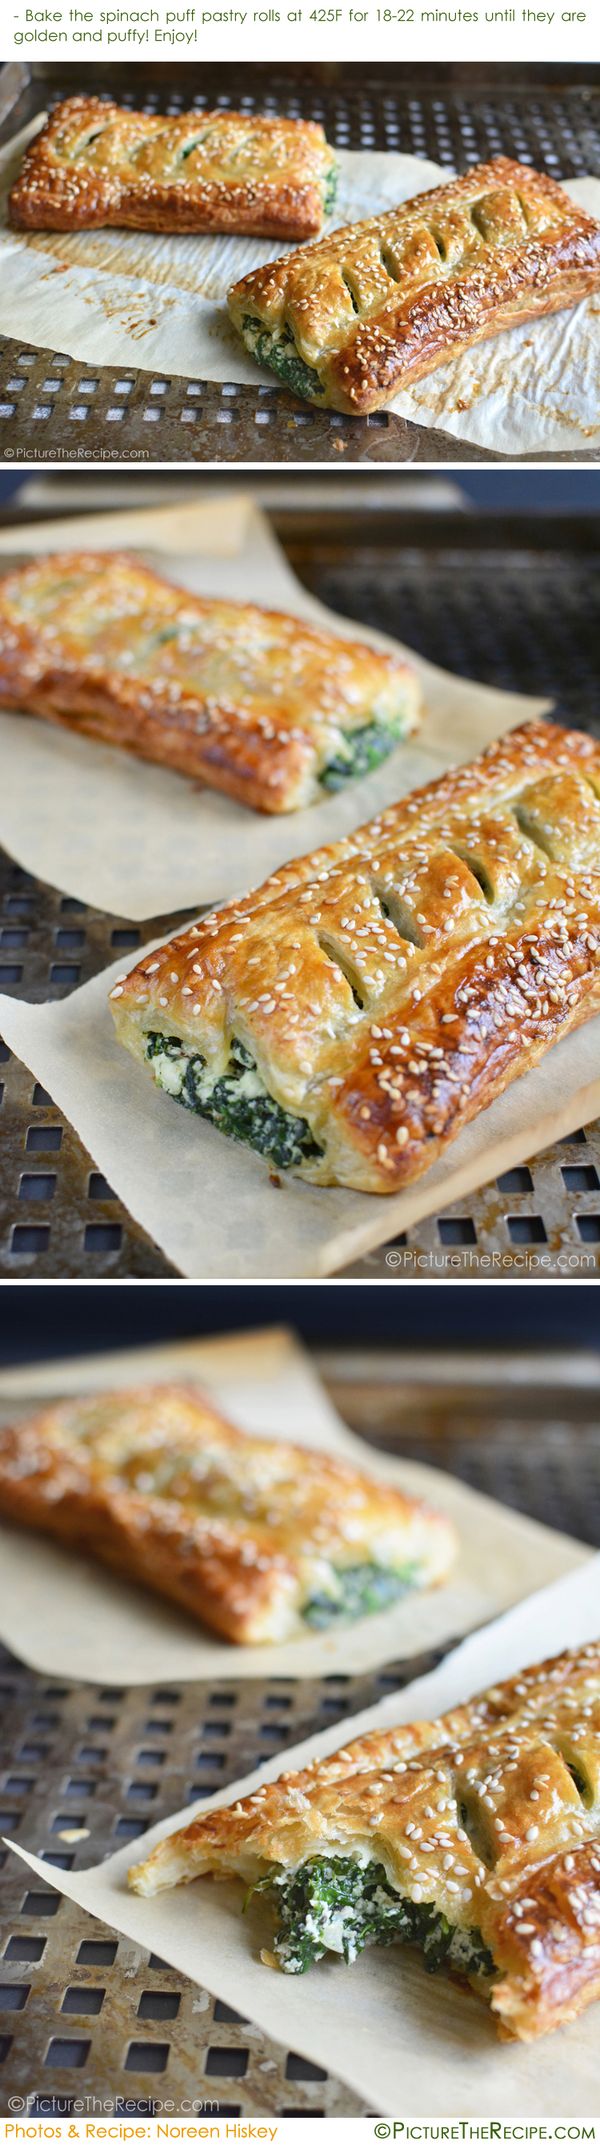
[(254, 703), (348, 1018), (475, 1838), (258, 1539), (350, 321), (96, 163)]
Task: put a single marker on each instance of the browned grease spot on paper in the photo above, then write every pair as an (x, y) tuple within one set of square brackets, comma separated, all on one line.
[(134, 255)]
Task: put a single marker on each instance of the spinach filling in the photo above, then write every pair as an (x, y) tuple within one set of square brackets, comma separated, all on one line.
[(357, 1590), (237, 1104), (362, 750), (330, 190), (280, 353), (337, 1905)]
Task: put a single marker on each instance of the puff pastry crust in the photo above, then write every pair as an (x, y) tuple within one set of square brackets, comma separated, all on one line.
[(245, 1533), (96, 163), (490, 1815), (250, 702), (375, 306), (389, 987)]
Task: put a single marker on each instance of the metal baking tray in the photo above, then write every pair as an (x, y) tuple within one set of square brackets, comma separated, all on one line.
[(54, 407), (85, 2013), (512, 602)]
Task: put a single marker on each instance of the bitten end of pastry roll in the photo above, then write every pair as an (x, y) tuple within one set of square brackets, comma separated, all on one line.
[(475, 1838)]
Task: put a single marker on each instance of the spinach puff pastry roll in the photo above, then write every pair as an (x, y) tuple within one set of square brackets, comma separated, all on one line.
[(253, 703), (476, 1838), (374, 306), (259, 1539), (348, 1018), (96, 163)]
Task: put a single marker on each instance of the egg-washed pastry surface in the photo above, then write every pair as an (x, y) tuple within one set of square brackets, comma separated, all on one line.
[(476, 1838), (258, 1539), (350, 1016), (373, 307), (96, 163), (254, 703)]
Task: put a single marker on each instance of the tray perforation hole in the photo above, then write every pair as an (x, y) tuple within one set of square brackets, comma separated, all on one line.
[(67, 2052), (98, 1952), (37, 1186), (298, 2069), (159, 2006), (527, 1230), (146, 2058), (24, 1947), (228, 2061), (43, 1138), (83, 2000), (588, 1228)]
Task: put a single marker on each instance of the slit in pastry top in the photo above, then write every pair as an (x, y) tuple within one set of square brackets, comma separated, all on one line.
[(474, 1838), (349, 1017)]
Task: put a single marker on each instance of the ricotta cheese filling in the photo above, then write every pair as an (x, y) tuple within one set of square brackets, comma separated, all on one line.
[(237, 1103), (341, 1905)]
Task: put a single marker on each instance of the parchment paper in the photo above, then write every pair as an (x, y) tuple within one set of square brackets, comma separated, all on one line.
[(210, 1203), (133, 298), (140, 841), (406, 2042), (68, 1617)]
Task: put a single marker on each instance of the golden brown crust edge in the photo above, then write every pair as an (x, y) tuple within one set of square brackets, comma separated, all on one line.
[(48, 196)]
